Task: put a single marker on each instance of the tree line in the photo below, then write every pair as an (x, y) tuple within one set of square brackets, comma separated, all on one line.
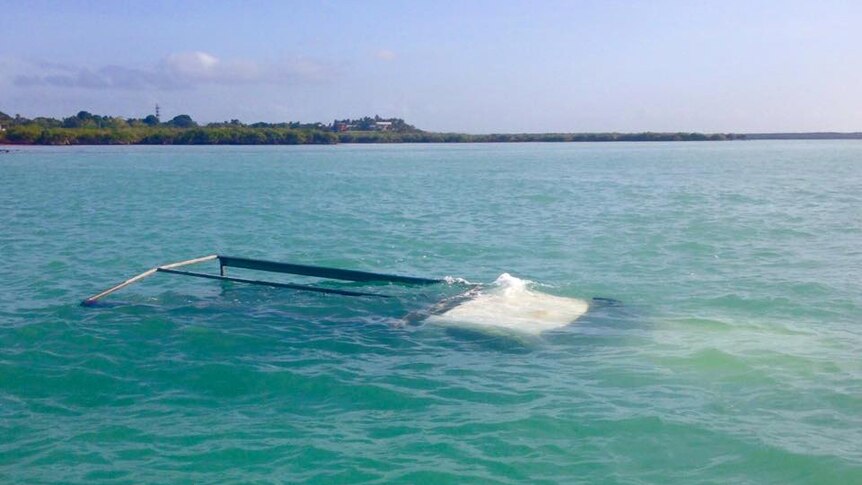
[(431, 137), (90, 129)]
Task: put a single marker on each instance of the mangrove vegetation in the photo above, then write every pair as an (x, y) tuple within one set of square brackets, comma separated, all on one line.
[(86, 128)]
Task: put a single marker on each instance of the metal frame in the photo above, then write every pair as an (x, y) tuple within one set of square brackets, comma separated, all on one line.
[(272, 267)]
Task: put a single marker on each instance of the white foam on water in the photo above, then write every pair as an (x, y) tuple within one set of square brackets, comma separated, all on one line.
[(454, 280), (511, 306)]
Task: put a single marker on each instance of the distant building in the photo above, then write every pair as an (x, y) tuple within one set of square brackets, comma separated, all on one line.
[(341, 126), (366, 124)]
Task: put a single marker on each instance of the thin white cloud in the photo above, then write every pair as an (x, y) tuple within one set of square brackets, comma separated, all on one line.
[(198, 65), (180, 70)]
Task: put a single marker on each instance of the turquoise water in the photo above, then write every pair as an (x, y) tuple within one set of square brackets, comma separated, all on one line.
[(734, 356)]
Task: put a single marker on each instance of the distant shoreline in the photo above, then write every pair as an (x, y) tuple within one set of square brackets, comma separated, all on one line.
[(105, 137), (89, 129), (819, 135)]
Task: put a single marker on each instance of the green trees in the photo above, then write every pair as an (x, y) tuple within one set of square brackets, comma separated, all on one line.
[(89, 128), (26, 135), (182, 121), (85, 119)]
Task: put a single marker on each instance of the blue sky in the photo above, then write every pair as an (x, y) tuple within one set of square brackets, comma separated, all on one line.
[(469, 66)]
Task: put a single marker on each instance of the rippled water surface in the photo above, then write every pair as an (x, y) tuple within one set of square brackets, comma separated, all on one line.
[(734, 355)]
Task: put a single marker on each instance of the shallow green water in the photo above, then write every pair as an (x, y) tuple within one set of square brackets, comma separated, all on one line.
[(735, 356)]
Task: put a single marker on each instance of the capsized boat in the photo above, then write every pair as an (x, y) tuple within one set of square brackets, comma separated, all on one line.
[(509, 304)]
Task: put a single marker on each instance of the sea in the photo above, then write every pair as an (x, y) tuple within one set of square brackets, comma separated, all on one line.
[(721, 342)]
